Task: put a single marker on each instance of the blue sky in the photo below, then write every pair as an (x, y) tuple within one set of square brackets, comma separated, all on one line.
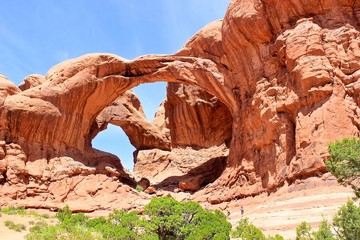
[(35, 35)]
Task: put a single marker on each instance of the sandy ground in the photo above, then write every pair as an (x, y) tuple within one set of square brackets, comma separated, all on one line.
[(280, 212), (28, 221), (8, 234), (283, 211)]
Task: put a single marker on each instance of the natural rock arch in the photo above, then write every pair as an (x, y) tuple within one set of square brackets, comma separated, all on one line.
[(127, 113), (74, 93), (186, 142)]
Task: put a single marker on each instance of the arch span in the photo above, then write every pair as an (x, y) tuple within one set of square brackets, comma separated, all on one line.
[(75, 92)]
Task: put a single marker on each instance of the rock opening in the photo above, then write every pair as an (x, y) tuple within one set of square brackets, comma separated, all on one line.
[(114, 140)]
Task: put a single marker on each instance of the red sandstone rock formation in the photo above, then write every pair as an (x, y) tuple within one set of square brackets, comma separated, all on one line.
[(126, 112), (31, 81), (296, 65), (47, 129), (196, 118), (276, 81)]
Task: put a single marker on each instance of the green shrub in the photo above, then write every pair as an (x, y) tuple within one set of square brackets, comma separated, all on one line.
[(37, 215), (247, 231), (13, 211), (344, 162), (139, 188), (324, 232), (170, 219), (22, 212), (43, 231), (346, 226), (347, 221), (38, 225), (79, 232), (303, 231), (119, 225), (276, 237), (96, 223), (48, 232), (64, 213), (78, 219), (71, 226), (13, 226), (112, 232), (207, 225), (125, 219)]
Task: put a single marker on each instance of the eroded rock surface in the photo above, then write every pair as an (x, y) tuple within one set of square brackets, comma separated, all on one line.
[(182, 167), (31, 81), (196, 118), (268, 87), (126, 112), (295, 64)]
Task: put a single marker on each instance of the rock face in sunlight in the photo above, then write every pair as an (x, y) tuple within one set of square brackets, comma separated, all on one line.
[(126, 112), (252, 102)]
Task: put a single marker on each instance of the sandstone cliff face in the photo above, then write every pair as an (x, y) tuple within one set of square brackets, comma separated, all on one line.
[(275, 82), (295, 64)]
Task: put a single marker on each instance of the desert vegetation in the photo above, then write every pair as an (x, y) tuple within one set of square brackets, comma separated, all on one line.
[(14, 226), (345, 226), (344, 162), (165, 218)]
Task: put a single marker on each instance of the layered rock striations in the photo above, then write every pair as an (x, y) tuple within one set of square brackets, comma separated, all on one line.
[(252, 103)]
